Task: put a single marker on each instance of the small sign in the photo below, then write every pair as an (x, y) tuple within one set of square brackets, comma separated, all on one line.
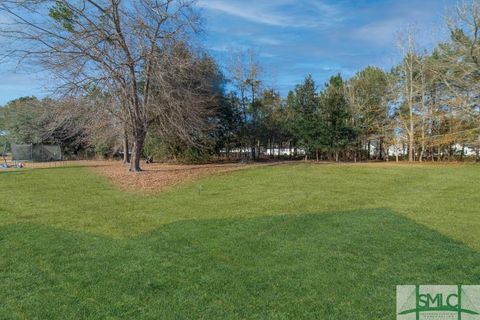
[(434, 302)]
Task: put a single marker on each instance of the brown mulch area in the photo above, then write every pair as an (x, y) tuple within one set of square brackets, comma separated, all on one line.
[(154, 177), (158, 177)]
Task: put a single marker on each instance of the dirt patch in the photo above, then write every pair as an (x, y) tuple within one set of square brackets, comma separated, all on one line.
[(158, 177), (154, 178)]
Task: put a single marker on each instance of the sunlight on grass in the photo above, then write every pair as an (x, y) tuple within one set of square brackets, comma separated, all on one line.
[(445, 198), (281, 242)]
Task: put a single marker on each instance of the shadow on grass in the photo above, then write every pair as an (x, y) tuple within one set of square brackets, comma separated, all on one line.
[(12, 171), (325, 266), (27, 170)]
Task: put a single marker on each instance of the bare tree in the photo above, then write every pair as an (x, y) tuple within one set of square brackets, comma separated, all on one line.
[(109, 44), (245, 73), (185, 84), (408, 82), (464, 26)]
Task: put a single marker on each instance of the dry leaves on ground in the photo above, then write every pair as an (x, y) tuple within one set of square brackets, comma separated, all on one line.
[(157, 177)]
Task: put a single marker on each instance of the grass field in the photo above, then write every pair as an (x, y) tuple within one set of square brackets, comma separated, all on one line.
[(280, 242)]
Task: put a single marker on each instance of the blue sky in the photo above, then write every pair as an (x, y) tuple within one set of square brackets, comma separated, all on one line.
[(294, 38)]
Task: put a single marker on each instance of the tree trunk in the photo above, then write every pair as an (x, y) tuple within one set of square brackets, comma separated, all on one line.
[(138, 142), (410, 146), (422, 151), (258, 149), (272, 149), (381, 149), (369, 148), (126, 149), (411, 129)]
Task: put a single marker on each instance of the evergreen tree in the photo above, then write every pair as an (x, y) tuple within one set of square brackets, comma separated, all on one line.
[(304, 117), (337, 132)]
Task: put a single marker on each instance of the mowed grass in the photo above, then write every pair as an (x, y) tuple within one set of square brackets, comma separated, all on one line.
[(281, 242)]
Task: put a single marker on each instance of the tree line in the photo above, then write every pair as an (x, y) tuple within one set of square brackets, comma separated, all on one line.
[(134, 82)]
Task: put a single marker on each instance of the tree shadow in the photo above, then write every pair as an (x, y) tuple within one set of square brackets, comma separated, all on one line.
[(342, 265), (11, 172)]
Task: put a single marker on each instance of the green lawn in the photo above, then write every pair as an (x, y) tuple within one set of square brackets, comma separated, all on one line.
[(278, 242)]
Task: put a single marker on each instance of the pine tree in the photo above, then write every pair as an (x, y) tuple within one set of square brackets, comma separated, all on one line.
[(305, 123), (337, 132)]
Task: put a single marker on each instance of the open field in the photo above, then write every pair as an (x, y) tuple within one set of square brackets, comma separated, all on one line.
[(298, 241), (157, 177), (154, 178)]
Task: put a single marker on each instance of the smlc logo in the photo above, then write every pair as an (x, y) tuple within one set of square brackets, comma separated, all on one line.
[(438, 302)]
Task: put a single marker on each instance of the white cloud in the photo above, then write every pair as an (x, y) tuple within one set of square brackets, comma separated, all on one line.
[(379, 32), (246, 12), (274, 13), (268, 41)]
